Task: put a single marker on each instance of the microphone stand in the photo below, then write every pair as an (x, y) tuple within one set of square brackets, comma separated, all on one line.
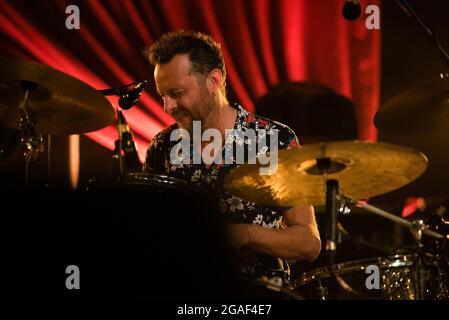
[(118, 165), (405, 6), (124, 145)]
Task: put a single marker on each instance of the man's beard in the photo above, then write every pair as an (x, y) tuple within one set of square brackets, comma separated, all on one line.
[(207, 108), (183, 118)]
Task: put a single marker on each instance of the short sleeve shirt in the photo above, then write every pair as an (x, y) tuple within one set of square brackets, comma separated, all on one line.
[(261, 141)]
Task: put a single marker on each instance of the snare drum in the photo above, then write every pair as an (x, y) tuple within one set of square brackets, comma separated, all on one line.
[(396, 276)]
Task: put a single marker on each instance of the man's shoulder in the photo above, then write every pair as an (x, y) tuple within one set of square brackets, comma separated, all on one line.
[(264, 123), (273, 124), (287, 137), (164, 134)]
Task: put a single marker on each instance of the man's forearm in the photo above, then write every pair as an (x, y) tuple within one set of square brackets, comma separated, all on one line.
[(294, 242)]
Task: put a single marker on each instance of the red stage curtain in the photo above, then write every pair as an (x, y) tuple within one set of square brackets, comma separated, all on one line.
[(264, 42)]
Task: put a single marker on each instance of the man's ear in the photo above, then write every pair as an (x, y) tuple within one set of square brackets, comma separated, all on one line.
[(214, 79)]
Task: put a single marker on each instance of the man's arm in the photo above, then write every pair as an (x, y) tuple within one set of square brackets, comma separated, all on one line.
[(300, 240)]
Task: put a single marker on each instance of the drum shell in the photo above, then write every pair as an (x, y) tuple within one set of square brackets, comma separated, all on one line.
[(348, 281)]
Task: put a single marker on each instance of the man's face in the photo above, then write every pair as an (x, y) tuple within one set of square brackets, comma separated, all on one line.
[(184, 93)]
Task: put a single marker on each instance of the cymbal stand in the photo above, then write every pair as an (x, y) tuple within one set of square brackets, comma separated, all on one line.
[(34, 143), (408, 10), (331, 210), (390, 216), (417, 228), (324, 165)]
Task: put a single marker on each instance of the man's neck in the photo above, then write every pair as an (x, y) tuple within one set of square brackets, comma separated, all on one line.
[(223, 119), (226, 119)]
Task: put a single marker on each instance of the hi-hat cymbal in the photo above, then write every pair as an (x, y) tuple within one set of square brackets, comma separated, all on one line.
[(58, 103), (362, 169), (423, 108)]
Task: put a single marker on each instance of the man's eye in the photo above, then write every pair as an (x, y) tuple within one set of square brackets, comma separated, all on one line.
[(178, 94)]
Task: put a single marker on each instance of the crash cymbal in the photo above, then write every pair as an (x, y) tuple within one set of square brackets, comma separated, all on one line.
[(362, 169), (58, 103), (423, 108)]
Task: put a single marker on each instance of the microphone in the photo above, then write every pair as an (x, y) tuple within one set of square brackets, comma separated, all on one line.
[(128, 97), (131, 97), (352, 10)]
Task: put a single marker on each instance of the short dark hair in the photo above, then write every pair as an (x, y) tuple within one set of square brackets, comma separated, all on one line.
[(203, 51)]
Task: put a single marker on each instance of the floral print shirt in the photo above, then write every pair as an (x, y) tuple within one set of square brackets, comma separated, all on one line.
[(234, 209)]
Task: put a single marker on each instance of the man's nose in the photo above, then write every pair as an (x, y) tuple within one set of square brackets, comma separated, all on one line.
[(169, 104)]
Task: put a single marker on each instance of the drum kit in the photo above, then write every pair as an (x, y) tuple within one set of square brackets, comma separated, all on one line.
[(338, 175), (39, 100)]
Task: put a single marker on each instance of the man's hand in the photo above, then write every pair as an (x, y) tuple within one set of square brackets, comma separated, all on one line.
[(238, 235)]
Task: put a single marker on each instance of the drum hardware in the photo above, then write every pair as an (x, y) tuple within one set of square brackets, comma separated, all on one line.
[(322, 291), (346, 167), (127, 97), (332, 196), (125, 157), (49, 102), (59, 104), (9, 140), (409, 11), (34, 143), (417, 228), (276, 284), (334, 206), (412, 111)]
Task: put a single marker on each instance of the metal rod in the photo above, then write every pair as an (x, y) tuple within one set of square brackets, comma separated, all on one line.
[(396, 219), (405, 6), (48, 161)]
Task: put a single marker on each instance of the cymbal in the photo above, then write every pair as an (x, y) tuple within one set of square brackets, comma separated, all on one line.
[(423, 108), (362, 169), (59, 103)]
